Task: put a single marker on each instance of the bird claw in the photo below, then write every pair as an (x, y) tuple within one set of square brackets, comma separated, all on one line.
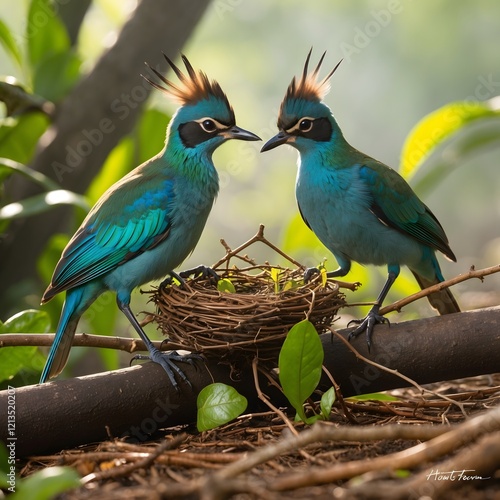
[(169, 280), (309, 273), (166, 360), (203, 271), (367, 325)]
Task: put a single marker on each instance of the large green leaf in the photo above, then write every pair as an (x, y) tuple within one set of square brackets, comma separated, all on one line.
[(14, 359), (47, 483), (118, 163), (438, 126), (472, 143), (218, 404), (9, 43), (56, 75), (300, 363), (8, 167), (151, 132), (41, 203), (45, 33), (19, 136)]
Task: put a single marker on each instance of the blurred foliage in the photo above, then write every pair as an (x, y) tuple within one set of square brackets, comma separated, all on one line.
[(438, 126), (380, 92), (46, 53), (25, 362)]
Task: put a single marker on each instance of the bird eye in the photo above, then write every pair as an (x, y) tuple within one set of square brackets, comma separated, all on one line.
[(208, 126), (305, 125)]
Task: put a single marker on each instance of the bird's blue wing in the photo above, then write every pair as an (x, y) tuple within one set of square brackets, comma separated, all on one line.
[(396, 205), (133, 217)]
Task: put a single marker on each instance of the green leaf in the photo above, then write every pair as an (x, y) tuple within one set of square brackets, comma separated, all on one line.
[(29, 321), (275, 276), (469, 145), (218, 404), (225, 285), (323, 273), (290, 285), (41, 203), (402, 473), (327, 400), (8, 166), (66, 66), (19, 136), (14, 359), (150, 134), (300, 362), (375, 396), (438, 126), (118, 163), (47, 483), (45, 33), (9, 43)]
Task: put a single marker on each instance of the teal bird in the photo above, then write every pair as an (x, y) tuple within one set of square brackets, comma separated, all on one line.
[(360, 209), (146, 224)]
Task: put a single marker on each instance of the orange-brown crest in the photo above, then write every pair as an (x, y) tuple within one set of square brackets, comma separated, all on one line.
[(308, 87), (195, 85)]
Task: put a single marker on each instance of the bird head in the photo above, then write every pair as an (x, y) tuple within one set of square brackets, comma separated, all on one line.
[(205, 119), (304, 120)]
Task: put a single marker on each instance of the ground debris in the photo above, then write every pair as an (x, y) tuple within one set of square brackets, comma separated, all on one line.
[(245, 458)]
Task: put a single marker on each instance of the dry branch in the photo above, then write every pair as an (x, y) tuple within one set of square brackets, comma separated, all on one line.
[(138, 401), (439, 446)]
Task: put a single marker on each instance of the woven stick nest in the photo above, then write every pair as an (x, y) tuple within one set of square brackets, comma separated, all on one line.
[(251, 319)]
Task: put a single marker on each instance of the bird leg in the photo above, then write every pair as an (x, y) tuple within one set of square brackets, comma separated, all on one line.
[(203, 271), (373, 317), (165, 359)]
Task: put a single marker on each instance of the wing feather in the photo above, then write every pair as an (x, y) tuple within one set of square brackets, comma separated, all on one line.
[(396, 205), (118, 228)]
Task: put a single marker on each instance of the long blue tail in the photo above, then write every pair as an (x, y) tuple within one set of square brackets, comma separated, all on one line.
[(59, 352)]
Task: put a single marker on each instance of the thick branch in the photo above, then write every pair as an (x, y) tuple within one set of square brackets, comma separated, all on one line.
[(139, 400)]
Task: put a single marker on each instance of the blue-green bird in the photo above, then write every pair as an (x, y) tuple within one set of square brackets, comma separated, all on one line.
[(360, 209), (146, 224)]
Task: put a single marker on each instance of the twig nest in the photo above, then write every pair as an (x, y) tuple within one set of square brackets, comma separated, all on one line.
[(248, 313)]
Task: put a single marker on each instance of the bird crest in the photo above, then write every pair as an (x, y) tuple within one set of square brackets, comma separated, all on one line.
[(195, 85), (308, 87)]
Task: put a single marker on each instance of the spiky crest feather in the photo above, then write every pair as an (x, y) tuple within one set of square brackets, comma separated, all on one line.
[(195, 85), (308, 87)]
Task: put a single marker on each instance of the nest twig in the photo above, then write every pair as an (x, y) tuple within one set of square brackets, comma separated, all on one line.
[(255, 318)]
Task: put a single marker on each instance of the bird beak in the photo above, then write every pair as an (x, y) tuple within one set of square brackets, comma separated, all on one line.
[(239, 133), (281, 138)]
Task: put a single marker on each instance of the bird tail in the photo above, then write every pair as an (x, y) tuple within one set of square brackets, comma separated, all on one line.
[(443, 301), (59, 352)]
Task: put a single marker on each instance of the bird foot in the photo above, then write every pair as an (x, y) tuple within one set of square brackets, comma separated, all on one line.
[(169, 280), (203, 271), (166, 360), (367, 325), (309, 274)]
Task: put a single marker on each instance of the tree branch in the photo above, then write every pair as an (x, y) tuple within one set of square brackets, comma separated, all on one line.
[(139, 400)]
